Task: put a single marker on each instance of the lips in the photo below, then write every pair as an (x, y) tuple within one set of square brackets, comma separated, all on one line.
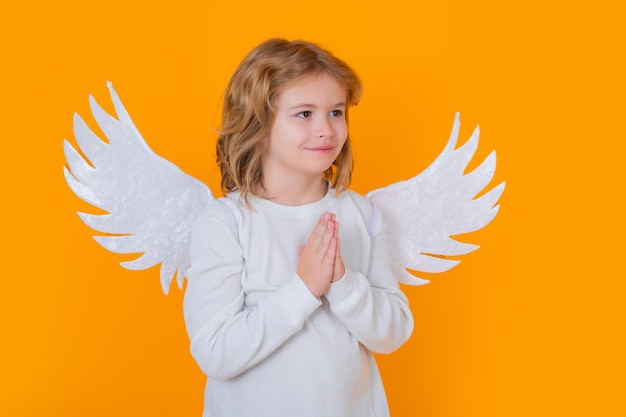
[(322, 149)]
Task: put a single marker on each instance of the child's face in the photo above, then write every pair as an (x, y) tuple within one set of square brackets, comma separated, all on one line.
[(309, 128)]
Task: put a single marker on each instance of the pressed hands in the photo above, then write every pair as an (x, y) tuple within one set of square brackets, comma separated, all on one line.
[(320, 261)]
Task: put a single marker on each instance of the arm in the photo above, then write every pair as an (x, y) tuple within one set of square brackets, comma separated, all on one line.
[(228, 337), (373, 307)]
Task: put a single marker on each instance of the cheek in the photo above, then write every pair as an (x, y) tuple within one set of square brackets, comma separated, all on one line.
[(344, 132), (342, 141), (341, 129)]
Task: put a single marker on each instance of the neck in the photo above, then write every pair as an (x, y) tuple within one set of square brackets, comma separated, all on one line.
[(293, 191)]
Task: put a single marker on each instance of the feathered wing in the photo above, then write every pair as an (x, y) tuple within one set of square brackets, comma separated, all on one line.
[(150, 203), (424, 212)]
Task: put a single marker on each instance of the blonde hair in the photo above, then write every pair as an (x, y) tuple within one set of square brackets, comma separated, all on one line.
[(248, 109)]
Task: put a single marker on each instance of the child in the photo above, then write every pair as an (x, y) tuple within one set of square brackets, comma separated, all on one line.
[(290, 289)]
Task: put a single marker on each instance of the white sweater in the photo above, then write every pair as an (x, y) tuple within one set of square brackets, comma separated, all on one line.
[(268, 346)]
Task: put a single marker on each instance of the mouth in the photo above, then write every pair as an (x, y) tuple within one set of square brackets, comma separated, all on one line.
[(322, 149)]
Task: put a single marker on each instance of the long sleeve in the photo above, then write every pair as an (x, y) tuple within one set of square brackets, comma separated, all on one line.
[(373, 307), (227, 336), (267, 345)]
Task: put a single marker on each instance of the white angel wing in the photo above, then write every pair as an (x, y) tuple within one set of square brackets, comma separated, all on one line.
[(151, 203), (422, 213)]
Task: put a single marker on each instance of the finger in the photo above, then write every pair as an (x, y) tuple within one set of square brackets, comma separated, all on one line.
[(326, 238), (331, 253), (318, 231), (338, 242)]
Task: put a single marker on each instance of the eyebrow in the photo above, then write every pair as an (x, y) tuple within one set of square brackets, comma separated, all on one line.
[(307, 105)]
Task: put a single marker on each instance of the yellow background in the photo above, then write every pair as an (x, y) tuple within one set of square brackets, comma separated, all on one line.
[(530, 324)]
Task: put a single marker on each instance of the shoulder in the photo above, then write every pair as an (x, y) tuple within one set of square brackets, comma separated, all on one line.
[(362, 204), (223, 210), (365, 208)]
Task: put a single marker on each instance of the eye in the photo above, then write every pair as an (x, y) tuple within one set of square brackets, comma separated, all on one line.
[(336, 113), (304, 114)]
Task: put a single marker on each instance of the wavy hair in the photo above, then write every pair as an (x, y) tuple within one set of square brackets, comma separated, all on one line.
[(249, 103)]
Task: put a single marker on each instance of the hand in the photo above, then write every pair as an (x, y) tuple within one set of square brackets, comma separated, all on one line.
[(316, 266), (339, 269)]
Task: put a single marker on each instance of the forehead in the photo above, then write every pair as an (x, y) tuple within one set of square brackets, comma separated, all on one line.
[(313, 89)]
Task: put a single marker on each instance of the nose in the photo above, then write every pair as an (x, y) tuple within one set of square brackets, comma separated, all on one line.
[(324, 128)]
